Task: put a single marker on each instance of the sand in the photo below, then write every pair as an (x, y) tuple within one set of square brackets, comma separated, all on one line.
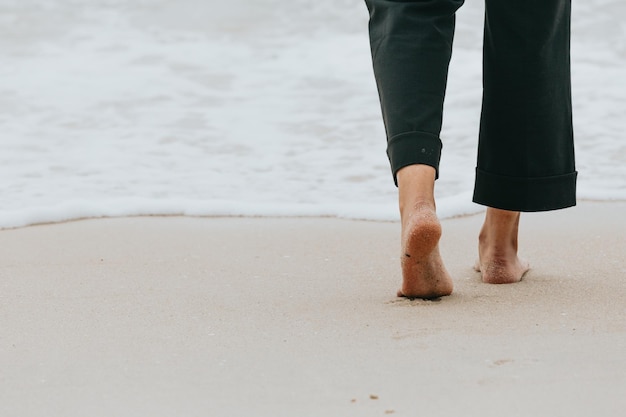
[(181, 316)]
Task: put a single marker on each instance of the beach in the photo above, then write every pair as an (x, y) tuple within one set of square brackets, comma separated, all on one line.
[(197, 218), (236, 316)]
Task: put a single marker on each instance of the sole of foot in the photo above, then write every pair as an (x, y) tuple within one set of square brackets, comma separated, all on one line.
[(423, 272)]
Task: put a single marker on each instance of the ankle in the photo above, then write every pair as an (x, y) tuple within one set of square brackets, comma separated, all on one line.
[(496, 240), (416, 188), (416, 207), (500, 224)]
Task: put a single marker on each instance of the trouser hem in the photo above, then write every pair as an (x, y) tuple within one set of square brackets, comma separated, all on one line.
[(413, 148), (525, 194)]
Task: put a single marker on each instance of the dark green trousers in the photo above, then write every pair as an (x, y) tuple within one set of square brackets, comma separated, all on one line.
[(525, 147)]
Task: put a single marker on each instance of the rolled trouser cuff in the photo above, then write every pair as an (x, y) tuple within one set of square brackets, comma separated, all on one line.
[(525, 194), (413, 148)]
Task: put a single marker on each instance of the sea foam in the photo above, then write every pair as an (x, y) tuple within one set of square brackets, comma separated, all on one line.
[(138, 107)]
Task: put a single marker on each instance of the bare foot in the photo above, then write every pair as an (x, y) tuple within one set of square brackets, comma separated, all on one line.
[(498, 261), (423, 272)]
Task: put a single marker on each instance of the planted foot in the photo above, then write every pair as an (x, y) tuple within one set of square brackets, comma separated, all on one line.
[(498, 261)]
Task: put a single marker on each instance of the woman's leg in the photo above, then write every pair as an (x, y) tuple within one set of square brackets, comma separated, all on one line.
[(411, 45), (526, 151)]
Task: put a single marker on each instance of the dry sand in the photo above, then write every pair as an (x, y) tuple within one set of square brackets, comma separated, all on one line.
[(178, 316)]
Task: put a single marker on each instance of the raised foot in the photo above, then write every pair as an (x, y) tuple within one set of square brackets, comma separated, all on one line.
[(423, 272)]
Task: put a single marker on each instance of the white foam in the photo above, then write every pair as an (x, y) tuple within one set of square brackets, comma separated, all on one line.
[(152, 107)]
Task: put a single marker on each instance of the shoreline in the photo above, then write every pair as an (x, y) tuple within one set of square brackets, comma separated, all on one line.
[(479, 210)]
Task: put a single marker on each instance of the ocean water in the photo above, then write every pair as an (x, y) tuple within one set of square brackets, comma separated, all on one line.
[(249, 107)]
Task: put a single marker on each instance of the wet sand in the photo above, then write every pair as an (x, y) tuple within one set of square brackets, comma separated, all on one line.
[(186, 316)]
